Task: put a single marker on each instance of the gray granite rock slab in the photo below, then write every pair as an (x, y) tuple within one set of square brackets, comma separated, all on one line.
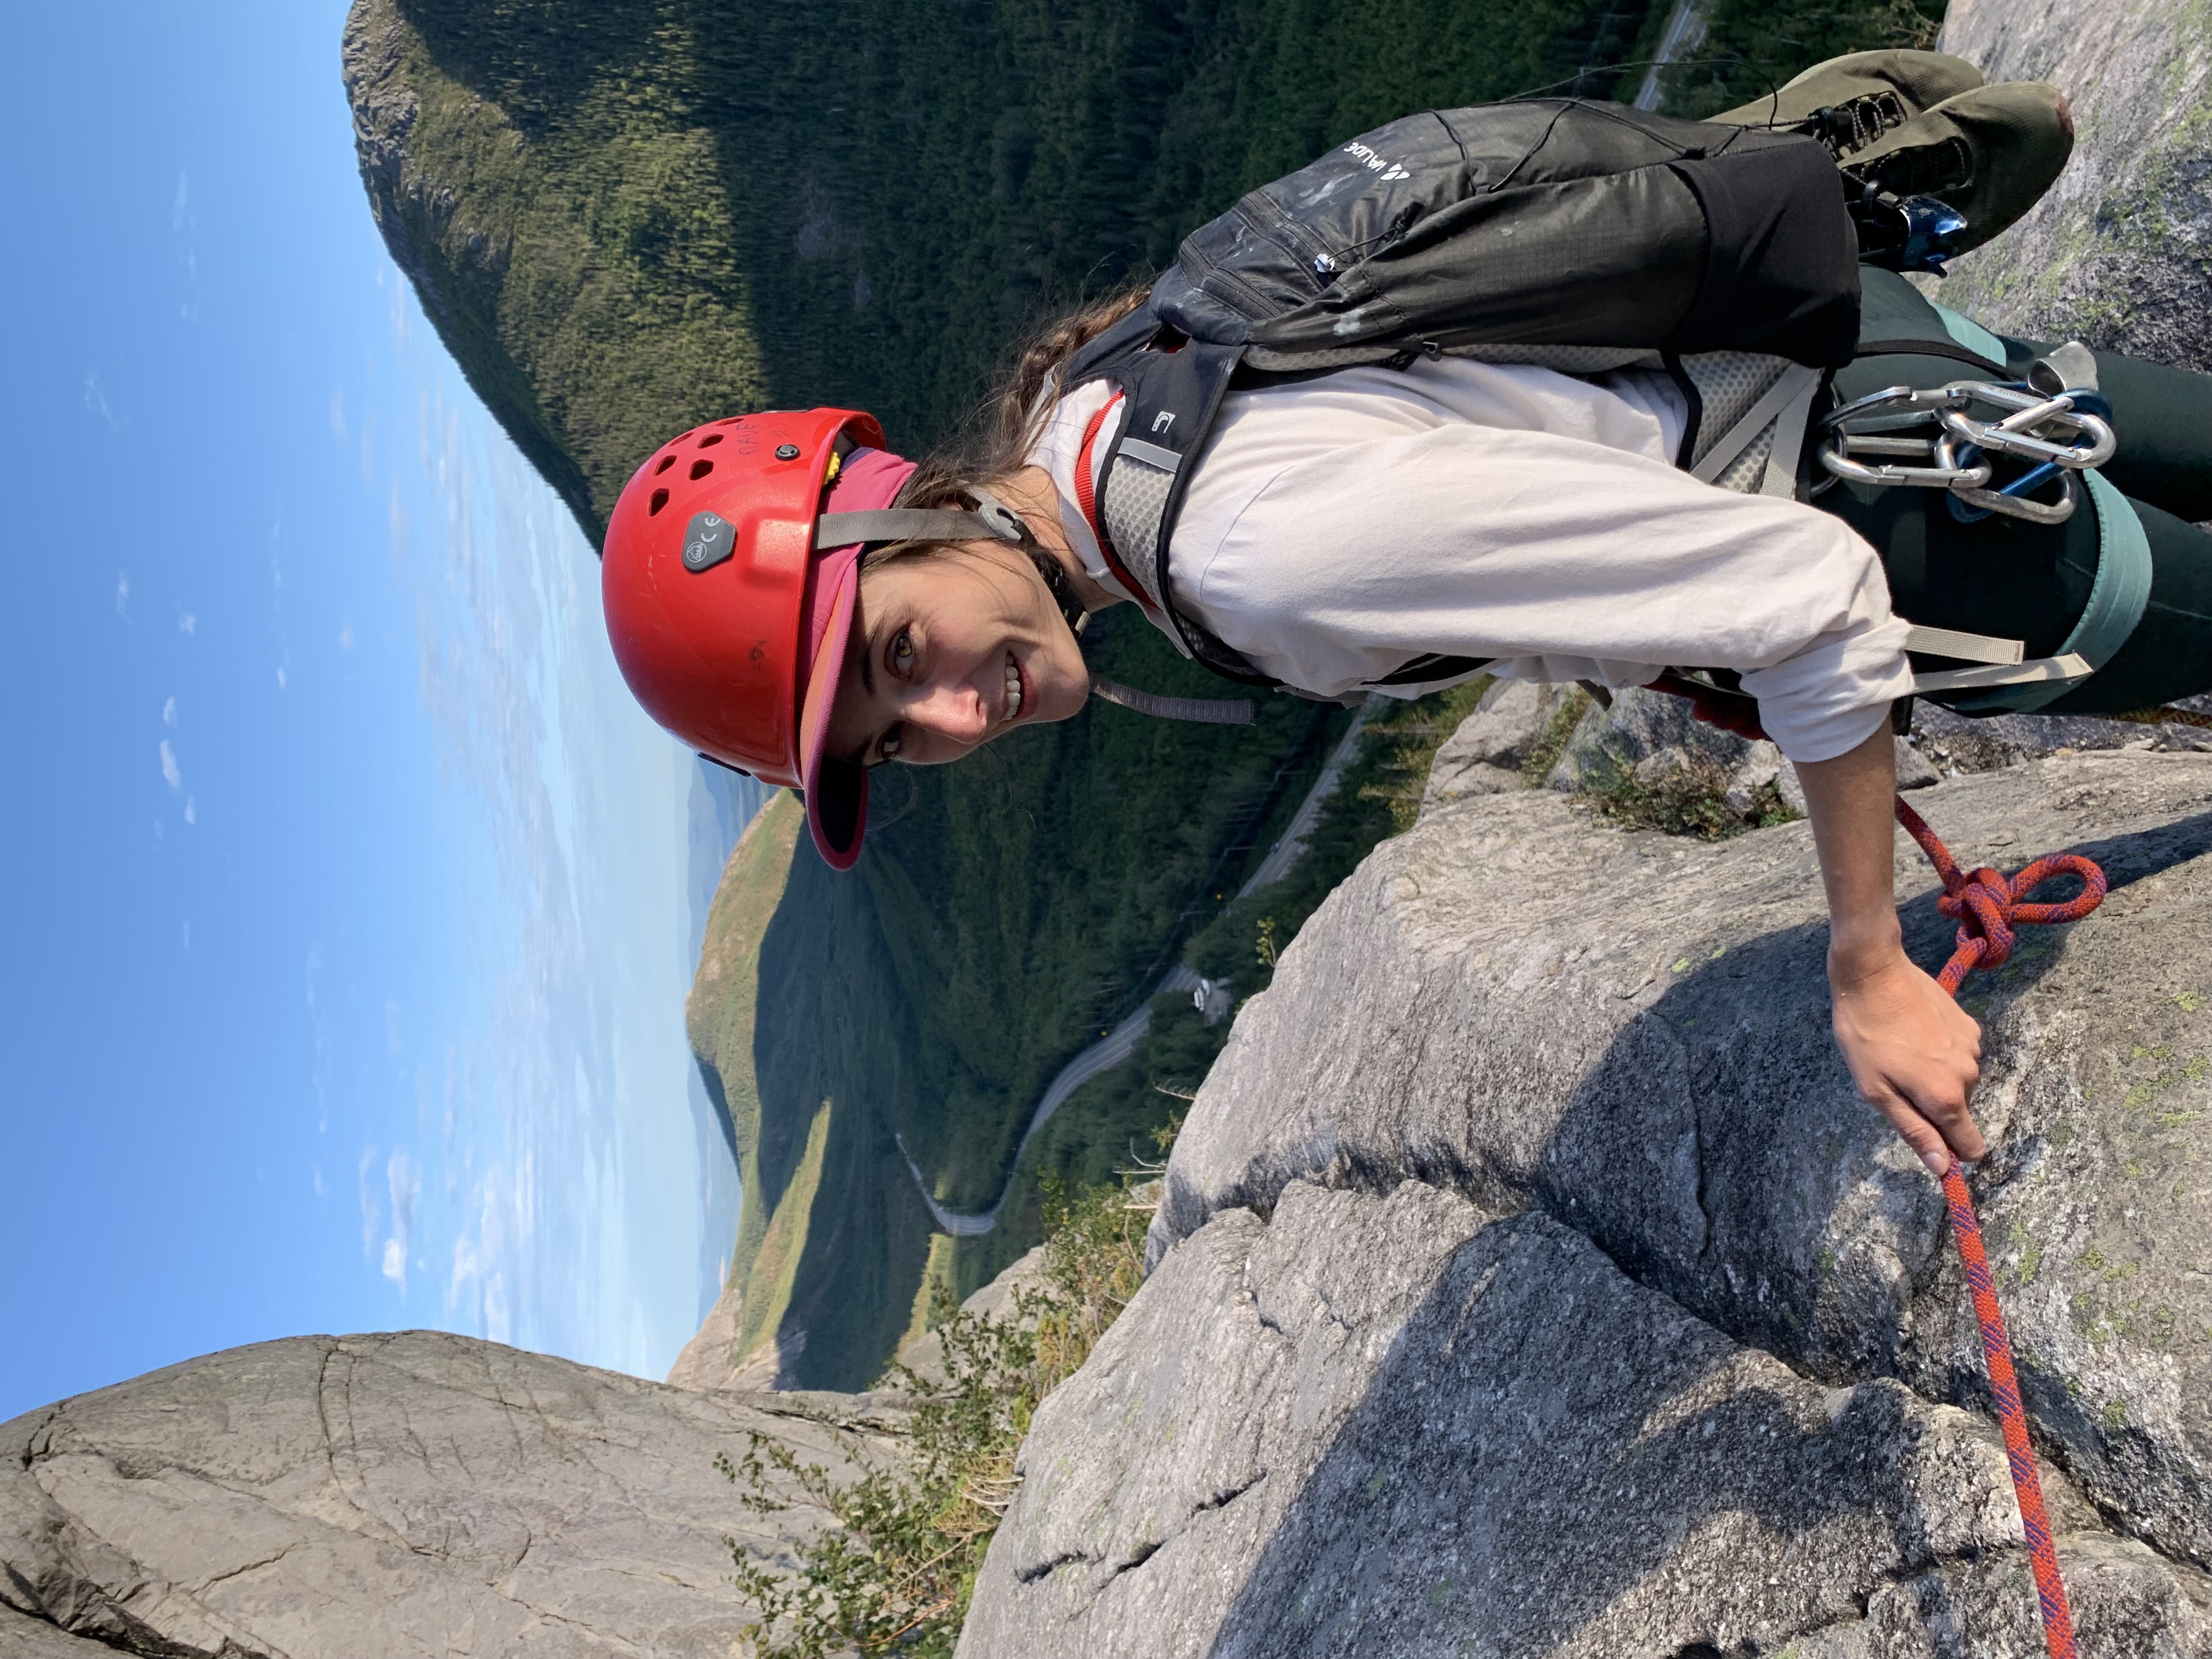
[(1398, 1423), (1520, 1003), (369, 1497), (2119, 252), (1483, 756)]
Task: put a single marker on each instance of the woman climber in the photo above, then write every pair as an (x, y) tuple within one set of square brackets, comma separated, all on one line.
[(1395, 499)]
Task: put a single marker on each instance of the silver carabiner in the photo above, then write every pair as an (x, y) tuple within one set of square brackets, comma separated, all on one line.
[(1863, 426), (2038, 426), (2096, 438), (1837, 450), (2024, 507), (1894, 406)]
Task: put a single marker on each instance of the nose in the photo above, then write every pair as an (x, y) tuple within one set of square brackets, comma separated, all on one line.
[(953, 711)]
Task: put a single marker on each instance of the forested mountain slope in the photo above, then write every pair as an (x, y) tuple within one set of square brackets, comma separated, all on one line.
[(627, 216), (1005, 911), (624, 215)]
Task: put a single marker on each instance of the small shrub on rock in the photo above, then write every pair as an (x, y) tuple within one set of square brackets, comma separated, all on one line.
[(1688, 797), (1552, 743), (897, 1570)]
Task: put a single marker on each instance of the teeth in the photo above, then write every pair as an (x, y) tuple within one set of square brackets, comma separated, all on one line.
[(1013, 689)]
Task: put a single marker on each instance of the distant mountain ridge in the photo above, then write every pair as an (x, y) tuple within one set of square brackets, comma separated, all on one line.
[(576, 256)]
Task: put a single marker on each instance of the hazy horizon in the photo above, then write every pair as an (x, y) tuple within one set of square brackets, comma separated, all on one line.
[(350, 895)]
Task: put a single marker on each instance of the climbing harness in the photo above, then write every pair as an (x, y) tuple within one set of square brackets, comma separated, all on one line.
[(2050, 430), (1988, 906)]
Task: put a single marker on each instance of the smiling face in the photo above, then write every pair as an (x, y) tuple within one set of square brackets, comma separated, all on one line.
[(948, 651)]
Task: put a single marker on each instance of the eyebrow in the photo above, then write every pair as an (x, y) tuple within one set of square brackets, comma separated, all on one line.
[(868, 667)]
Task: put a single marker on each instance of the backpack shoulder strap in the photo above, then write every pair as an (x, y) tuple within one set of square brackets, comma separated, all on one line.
[(1172, 387)]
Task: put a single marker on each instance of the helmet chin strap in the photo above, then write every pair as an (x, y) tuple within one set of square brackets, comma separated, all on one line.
[(1008, 525), (987, 519)]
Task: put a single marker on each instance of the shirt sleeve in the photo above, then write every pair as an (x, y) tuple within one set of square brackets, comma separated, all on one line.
[(1558, 559)]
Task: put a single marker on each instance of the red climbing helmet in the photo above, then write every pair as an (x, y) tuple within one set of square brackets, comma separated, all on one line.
[(730, 578)]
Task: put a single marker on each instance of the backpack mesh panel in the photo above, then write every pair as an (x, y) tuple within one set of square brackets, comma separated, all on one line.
[(1730, 383), (1135, 498), (1567, 359)]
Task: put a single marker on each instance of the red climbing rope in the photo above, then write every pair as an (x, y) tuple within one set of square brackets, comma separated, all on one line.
[(1988, 907)]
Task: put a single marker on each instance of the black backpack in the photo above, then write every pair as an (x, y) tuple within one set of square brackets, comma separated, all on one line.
[(1576, 236)]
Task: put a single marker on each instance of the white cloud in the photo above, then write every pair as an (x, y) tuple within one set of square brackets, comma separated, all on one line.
[(345, 637), (188, 624), (404, 1177), (96, 400), (170, 773), (477, 1293), (169, 714), (552, 1219), (191, 812), (180, 210), (317, 1169), (338, 414), (122, 593), (280, 677), (372, 1212)]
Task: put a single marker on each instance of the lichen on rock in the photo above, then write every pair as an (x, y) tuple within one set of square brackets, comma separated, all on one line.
[(2119, 254)]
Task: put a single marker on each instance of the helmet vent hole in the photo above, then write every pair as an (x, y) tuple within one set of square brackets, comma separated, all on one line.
[(667, 461), (659, 501), (700, 468), (710, 441)]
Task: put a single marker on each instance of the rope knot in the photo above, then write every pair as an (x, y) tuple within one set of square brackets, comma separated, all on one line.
[(1982, 904), (1988, 905)]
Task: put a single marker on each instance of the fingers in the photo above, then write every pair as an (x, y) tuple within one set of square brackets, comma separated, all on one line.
[(1919, 1134), (1954, 1124), (1934, 1117), (1943, 1100), (1916, 1057)]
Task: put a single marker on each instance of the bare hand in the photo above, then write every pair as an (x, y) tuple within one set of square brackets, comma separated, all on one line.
[(1914, 1054)]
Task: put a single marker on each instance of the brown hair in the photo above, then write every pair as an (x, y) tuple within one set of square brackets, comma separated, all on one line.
[(993, 444)]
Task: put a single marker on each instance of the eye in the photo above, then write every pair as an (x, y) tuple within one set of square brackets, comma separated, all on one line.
[(903, 650), (888, 747)]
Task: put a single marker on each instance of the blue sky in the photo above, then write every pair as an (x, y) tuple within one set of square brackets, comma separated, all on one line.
[(350, 902)]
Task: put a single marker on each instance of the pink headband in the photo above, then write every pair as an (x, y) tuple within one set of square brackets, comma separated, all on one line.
[(837, 789)]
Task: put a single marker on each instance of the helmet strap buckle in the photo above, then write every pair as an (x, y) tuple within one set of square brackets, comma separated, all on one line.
[(1011, 528)]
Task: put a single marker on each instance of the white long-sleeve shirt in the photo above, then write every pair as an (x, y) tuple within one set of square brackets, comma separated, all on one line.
[(1337, 528)]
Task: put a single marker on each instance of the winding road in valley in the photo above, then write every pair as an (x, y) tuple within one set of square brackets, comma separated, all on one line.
[(1118, 1045)]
